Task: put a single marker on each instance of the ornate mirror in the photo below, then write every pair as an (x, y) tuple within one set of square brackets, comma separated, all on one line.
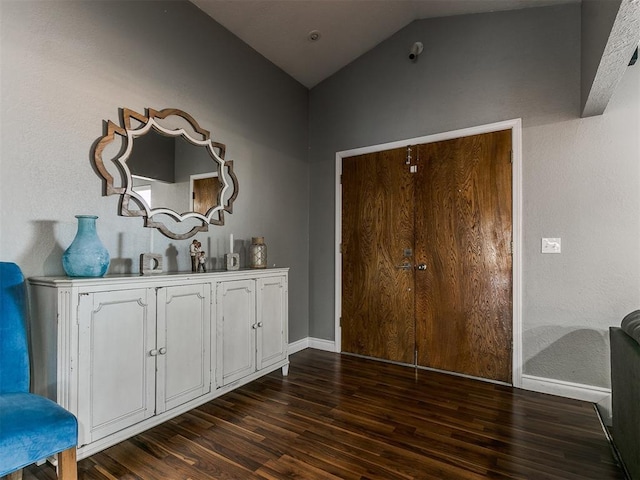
[(163, 163)]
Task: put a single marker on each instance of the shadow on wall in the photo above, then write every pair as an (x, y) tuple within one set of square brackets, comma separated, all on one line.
[(44, 245), (171, 253), (573, 355), (119, 264)]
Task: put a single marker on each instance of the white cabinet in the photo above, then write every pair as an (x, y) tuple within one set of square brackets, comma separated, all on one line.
[(252, 329), (271, 326), (116, 375), (140, 352), (183, 345), (125, 353), (236, 330)]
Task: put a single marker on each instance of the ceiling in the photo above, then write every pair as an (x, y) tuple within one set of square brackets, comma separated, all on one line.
[(279, 29)]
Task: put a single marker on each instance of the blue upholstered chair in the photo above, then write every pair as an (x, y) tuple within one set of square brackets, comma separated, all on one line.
[(32, 427)]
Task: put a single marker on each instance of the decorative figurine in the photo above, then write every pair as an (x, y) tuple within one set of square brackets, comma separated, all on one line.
[(202, 260), (194, 249)]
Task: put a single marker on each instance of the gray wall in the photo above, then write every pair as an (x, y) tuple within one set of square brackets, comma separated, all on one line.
[(66, 66), (581, 177)]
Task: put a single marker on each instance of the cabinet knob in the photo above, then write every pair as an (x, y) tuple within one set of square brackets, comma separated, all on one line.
[(153, 352), (259, 324), (254, 326), (163, 350)]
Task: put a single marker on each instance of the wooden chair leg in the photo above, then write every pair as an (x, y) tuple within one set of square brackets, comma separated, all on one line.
[(17, 475), (67, 465)]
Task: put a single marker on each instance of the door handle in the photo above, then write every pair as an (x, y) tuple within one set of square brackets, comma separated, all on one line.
[(404, 266), (422, 266)]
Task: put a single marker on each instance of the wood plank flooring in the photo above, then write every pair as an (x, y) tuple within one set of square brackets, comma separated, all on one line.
[(344, 417)]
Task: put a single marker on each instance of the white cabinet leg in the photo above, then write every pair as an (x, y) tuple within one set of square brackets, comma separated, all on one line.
[(285, 370)]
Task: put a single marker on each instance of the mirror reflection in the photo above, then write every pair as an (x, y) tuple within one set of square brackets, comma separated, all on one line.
[(172, 173), (168, 171)]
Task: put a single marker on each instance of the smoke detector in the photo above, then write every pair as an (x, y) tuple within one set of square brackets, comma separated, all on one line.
[(314, 35)]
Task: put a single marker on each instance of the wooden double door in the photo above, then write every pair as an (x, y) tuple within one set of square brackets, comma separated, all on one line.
[(427, 255)]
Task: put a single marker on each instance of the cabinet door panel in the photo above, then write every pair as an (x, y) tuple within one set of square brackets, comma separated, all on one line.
[(271, 316), (184, 341), (116, 372), (236, 333)]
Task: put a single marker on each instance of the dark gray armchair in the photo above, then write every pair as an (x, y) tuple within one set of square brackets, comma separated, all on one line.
[(625, 390)]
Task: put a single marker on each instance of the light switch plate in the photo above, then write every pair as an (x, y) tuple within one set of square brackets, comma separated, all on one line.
[(551, 245)]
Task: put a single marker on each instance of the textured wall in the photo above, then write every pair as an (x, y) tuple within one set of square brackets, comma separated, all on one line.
[(581, 176), (597, 17), (611, 62), (67, 66)]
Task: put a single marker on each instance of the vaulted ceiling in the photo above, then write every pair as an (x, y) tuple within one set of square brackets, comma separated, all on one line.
[(280, 30)]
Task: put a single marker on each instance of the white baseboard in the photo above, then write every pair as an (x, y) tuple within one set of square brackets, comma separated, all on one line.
[(588, 393), (298, 345), (320, 344), (310, 342)]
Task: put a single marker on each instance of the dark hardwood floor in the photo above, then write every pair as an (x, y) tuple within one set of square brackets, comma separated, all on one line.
[(343, 417)]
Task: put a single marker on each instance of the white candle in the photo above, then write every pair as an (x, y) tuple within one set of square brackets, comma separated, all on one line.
[(231, 243)]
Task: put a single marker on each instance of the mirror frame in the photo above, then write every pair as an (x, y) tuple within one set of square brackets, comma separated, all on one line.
[(129, 198)]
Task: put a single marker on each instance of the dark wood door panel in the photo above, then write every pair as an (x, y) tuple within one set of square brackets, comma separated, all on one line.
[(455, 213), (205, 194), (377, 230), (463, 236)]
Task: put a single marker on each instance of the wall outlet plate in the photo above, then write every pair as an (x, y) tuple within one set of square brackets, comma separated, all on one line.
[(551, 245)]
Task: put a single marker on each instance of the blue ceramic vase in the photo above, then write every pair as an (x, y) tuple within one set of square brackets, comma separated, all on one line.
[(86, 256)]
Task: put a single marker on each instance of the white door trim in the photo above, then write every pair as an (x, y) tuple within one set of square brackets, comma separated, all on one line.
[(515, 126)]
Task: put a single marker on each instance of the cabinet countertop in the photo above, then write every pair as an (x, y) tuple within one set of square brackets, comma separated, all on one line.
[(155, 277)]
